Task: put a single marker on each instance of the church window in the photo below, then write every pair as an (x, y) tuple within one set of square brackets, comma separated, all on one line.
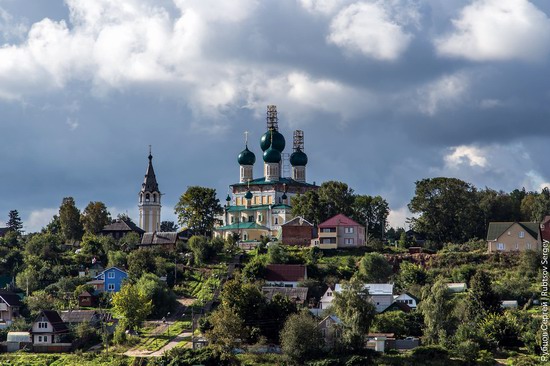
[(264, 200), (276, 221), (270, 200), (154, 197), (250, 218), (260, 218), (140, 198), (147, 197), (232, 219), (245, 236), (238, 201)]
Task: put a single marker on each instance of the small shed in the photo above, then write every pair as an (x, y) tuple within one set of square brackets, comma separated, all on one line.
[(18, 340)]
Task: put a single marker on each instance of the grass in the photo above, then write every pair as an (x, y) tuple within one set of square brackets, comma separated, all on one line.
[(60, 359), (151, 341)]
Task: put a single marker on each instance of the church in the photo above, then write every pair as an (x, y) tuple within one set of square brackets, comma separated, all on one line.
[(257, 207)]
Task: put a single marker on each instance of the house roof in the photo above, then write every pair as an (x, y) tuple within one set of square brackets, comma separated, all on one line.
[(298, 221), (285, 272), (334, 318), (409, 295), (98, 277), (398, 306), (296, 294), (10, 298), (496, 229), (19, 337), (123, 225), (55, 320), (457, 286), (78, 316), (159, 238), (379, 288), (243, 225), (338, 220), (262, 181)]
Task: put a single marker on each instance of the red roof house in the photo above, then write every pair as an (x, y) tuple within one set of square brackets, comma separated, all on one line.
[(285, 275), (340, 232)]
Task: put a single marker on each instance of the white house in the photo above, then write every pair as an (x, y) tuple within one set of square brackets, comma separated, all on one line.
[(407, 299), (380, 293), (48, 328)]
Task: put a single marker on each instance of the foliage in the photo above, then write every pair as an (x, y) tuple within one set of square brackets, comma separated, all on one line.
[(116, 258), (354, 307), (95, 217), (411, 274), (371, 210), (168, 226), (129, 241), (14, 222), (69, 220), (375, 268), (228, 330), (301, 339), (448, 210), (437, 308), (276, 254), (500, 330), (38, 301), (254, 269), (140, 262), (330, 199), (157, 292), (44, 246), (392, 322), (202, 250), (481, 299), (197, 209), (132, 304)]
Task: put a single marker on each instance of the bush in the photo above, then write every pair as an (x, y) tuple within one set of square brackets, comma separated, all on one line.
[(427, 353)]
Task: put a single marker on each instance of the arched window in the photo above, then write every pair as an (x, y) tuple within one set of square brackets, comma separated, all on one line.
[(140, 198), (154, 197), (147, 197)]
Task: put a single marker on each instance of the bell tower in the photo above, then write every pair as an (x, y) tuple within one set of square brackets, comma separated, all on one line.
[(149, 200)]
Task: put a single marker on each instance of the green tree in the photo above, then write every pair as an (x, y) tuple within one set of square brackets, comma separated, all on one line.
[(301, 339), (227, 331), (157, 291), (129, 241), (411, 274), (354, 307), (371, 210), (375, 268), (168, 226), (117, 258), (276, 254), (201, 248), (330, 199), (14, 222), (44, 246), (541, 205), (140, 262), (392, 322), (197, 209), (448, 210), (437, 308), (481, 298), (92, 245), (307, 205), (132, 304), (53, 227), (95, 217), (38, 301), (496, 206), (69, 220), (501, 330)]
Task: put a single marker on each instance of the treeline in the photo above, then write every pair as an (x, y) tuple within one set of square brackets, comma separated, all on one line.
[(452, 210)]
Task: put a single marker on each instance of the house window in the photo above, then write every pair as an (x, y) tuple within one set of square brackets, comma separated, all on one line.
[(245, 236), (517, 246), (348, 241), (528, 245), (39, 338), (111, 286), (329, 294), (328, 230), (500, 246), (45, 339), (232, 219), (111, 275), (328, 240), (324, 332), (522, 234), (42, 325), (348, 230), (276, 221)]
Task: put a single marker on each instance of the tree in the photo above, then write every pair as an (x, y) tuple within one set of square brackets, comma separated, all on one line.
[(227, 332), (411, 274), (497, 206), (44, 246), (200, 247), (354, 307), (140, 262), (14, 222), (53, 227), (373, 211), (168, 226), (301, 339), (132, 304), (307, 206), (129, 242), (95, 217), (197, 209), (157, 291), (437, 308), (501, 330), (375, 268), (330, 199), (69, 220), (481, 298), (448, 210), (276, 254), (392, 322)]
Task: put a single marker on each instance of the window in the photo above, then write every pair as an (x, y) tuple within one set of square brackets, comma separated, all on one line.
[(328, 240), (45, 339), (348, 241), (154, 197), (42, 325), (522, 234), (147, 197), (232, 219), (264, 200), (245, 236), (270, 200), (140, 198), (238, 201), (276, 221), (500, 246), (111, 275), (517, 246), (348, 230), (250, 218), (328, 230), (39, 338), (111, 287), (260, 218), (329, 294), (528, 245)]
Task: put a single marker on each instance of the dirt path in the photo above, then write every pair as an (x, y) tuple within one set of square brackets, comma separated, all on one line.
[(168, 346)]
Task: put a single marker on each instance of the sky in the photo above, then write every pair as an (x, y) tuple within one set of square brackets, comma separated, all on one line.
[(387, 92)]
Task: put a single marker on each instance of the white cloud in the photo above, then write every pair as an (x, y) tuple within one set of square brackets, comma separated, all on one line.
[(38, 219), (72, 123), (491, 103), (470, 155), (324, 7), (443, 92), (370, 29), (398, 217), (498, 30)]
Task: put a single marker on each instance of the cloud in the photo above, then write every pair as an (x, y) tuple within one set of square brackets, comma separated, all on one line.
[(368, 28), (38, 219), (498, 30), (324, 7), (72, 123), (469, 155), (398, 217), (443, 92)]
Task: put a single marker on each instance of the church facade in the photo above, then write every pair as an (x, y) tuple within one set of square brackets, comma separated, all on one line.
[(257, 207)]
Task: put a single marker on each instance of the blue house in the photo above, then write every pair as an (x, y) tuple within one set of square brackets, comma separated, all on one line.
[(111, 279)]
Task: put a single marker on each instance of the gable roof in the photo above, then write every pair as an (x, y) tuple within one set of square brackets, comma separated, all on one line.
[(107, 270), (123, 225), (285, 272), (496, 229), (379, 288), (55, 320), (398, 306), (409, 295), (159, 238), (334, 318), (78, 316), (10, 298), (339, 220), (298, 221)]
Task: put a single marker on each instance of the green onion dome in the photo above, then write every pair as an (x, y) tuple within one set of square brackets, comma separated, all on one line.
[(298, 158), (284, 196), (278, 140), (228, 198), (272, 155), (246, 157), (248, 195)]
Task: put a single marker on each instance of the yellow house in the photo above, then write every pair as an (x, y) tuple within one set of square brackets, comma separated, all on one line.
[(513, 237)]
